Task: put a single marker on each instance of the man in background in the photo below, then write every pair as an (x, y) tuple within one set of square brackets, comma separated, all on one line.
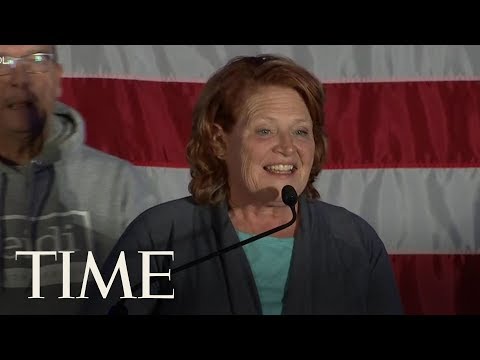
[(56, 193)]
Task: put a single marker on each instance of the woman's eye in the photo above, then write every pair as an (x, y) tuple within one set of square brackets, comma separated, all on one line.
[(301, 132), (263, 131)]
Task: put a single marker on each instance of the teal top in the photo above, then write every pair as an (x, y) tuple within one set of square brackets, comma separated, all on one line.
[(269, 259)]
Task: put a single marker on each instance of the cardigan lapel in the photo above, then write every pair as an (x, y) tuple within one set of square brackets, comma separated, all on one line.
[(242, 291), (298, 291)]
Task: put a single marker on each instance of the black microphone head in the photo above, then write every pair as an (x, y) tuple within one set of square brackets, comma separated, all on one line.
[(289, 195)]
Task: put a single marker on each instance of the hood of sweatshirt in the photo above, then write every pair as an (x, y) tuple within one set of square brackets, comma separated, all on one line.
[(24, 189)]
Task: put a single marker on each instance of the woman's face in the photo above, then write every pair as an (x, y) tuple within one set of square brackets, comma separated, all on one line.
[(271, 145)]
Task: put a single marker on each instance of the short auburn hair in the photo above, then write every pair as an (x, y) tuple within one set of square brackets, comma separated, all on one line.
[(222, 100)]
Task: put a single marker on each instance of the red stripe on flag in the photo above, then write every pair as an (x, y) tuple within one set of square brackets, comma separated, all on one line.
[(438, 284), (370, 125)]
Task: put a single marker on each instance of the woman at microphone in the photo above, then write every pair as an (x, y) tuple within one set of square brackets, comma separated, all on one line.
[(258, 129)]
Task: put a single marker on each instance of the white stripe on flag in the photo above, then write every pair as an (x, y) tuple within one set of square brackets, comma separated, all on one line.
[(332, 63)]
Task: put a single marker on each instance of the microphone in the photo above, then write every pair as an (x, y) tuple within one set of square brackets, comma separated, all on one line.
[(289, 197)]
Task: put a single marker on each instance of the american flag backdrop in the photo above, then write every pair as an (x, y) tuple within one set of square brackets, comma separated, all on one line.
[(403, 123)]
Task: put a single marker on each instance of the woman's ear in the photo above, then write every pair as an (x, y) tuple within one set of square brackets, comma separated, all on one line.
[(218, 142)]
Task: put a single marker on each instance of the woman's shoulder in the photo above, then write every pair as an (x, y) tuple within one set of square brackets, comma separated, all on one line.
[(178, 213), (344, 223), (333, 213), (172, 209)]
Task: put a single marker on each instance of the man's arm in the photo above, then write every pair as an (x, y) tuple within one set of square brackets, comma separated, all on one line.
[(139, 194)]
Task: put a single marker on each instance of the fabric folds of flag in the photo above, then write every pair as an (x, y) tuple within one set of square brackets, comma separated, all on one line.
[(403, 125)]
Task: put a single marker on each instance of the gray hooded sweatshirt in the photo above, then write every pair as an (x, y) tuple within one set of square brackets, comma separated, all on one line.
[(70, 197)]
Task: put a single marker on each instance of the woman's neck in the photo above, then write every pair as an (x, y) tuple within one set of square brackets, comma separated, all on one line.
[(254, 219)]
